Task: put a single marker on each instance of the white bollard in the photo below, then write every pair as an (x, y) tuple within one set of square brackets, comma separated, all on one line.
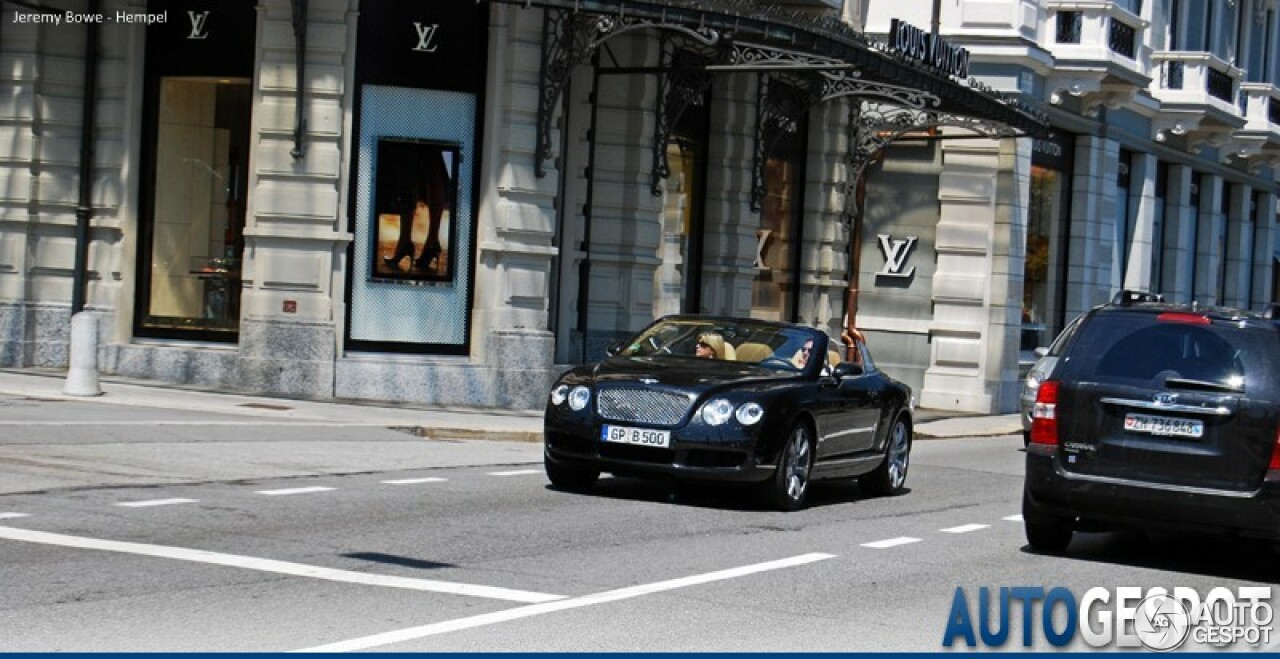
[(82, 376)]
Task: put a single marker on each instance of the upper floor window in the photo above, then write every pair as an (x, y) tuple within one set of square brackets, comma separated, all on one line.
[(1209, 26)]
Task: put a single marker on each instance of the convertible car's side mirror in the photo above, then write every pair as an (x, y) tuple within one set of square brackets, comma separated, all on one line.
[(846, 369), (613, 349)]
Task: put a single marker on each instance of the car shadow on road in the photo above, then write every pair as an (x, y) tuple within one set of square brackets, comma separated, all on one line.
[(736, 497), (1205, 555)]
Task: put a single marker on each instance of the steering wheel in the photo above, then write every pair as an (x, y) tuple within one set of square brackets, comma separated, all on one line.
[(658, 348), (776, 361)]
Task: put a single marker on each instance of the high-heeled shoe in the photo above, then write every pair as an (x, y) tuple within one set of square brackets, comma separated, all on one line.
[(430, 254)]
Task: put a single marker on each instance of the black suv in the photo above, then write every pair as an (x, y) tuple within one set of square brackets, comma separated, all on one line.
[(1158, 416)]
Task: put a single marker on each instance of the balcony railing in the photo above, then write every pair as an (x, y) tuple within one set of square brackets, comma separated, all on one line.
[(1122, 38), (1197, 79), (1101, 31), (1220, 85), (1261, 107)]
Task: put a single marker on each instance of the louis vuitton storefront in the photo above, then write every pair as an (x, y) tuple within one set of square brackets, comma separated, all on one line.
[(446, 202)]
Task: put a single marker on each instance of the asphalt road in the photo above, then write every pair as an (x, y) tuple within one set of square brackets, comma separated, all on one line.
[(170, 530)]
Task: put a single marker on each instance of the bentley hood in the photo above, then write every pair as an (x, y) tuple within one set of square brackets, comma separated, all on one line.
[(685, 373)]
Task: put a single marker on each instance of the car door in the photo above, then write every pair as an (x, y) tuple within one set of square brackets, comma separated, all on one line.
[(857, 398)]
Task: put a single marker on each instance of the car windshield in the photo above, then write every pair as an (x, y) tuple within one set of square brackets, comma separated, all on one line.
[(1142, 349), (773, 346)]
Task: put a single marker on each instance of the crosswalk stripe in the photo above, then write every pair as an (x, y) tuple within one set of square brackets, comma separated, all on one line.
[(891, 542)]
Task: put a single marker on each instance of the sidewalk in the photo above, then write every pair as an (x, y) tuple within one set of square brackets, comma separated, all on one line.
[(428, 422)]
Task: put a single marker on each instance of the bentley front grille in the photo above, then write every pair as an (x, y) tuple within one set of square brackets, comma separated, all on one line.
[(658, 408)]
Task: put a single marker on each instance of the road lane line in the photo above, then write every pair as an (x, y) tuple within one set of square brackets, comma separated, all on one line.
[(891, 542), (155, 502), (966, 528), (433, 629), (274, 566), (1012, 518), (13, 515), (415, 481), (295, 490), (518, 472)]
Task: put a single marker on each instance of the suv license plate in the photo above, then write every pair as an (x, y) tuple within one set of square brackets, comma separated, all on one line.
[(640, 436), (1163, 425)]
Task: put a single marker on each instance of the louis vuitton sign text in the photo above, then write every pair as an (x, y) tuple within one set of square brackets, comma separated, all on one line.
[(929, 49)]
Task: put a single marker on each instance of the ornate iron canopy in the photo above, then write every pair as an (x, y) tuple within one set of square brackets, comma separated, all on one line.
[(801, 60)]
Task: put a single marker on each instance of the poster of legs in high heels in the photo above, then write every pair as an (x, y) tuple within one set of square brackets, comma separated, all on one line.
[(415, 194)]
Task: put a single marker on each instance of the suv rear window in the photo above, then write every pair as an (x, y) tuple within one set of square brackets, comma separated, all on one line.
[(1144, 351)]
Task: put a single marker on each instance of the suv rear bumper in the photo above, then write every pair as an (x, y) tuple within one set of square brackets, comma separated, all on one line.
[(1114, 503)]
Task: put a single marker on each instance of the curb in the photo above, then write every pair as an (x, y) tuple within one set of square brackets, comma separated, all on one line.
[(438, 433)]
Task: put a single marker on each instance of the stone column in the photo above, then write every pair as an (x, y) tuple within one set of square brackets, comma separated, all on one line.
[(1264, 249), (516, 220), (963, 303), (1210, 236), (1239, 246), (1138, 275), (626, 218), (1179, 235), (1093, 217), (296, 227), (730, 232), (824, 253)]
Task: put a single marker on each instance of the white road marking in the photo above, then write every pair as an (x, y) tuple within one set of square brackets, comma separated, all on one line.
[(155, 502), (518, 472), (13, 515), (415, 481), (278, 567), (399, 636), (1012, 518), (966, 528), (295, 490), (251, 421), (891, 542)]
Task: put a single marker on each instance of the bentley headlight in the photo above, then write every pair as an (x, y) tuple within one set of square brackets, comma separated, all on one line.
[(579, 397), (717, 412), (559, 394), (749, 414)]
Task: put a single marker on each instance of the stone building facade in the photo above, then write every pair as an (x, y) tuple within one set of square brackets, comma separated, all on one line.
[(449, 202)]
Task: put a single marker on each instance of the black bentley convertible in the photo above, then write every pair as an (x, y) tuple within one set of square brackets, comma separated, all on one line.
[(730, 399)]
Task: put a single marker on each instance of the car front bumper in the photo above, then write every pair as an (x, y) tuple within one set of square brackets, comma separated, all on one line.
[(693, 454), (1118, 503)]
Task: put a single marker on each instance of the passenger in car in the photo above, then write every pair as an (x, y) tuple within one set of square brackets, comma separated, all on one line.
[(801, 358), (712, 346)]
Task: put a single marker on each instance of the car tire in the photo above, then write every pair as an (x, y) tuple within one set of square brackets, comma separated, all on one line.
[(890, 477), (565, 477), (789, 487), (1044, 533)]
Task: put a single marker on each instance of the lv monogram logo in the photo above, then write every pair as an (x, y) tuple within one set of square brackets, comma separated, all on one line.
[(197, 24), (895, 256), (426, 37)]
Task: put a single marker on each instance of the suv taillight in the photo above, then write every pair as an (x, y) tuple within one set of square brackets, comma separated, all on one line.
[(1044, 415), (1275, 454)]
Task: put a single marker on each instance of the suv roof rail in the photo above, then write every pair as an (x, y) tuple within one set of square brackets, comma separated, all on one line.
[(1127, 297)]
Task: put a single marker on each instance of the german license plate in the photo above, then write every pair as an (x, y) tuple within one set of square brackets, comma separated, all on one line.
[(1163, 425), (640, 436)]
